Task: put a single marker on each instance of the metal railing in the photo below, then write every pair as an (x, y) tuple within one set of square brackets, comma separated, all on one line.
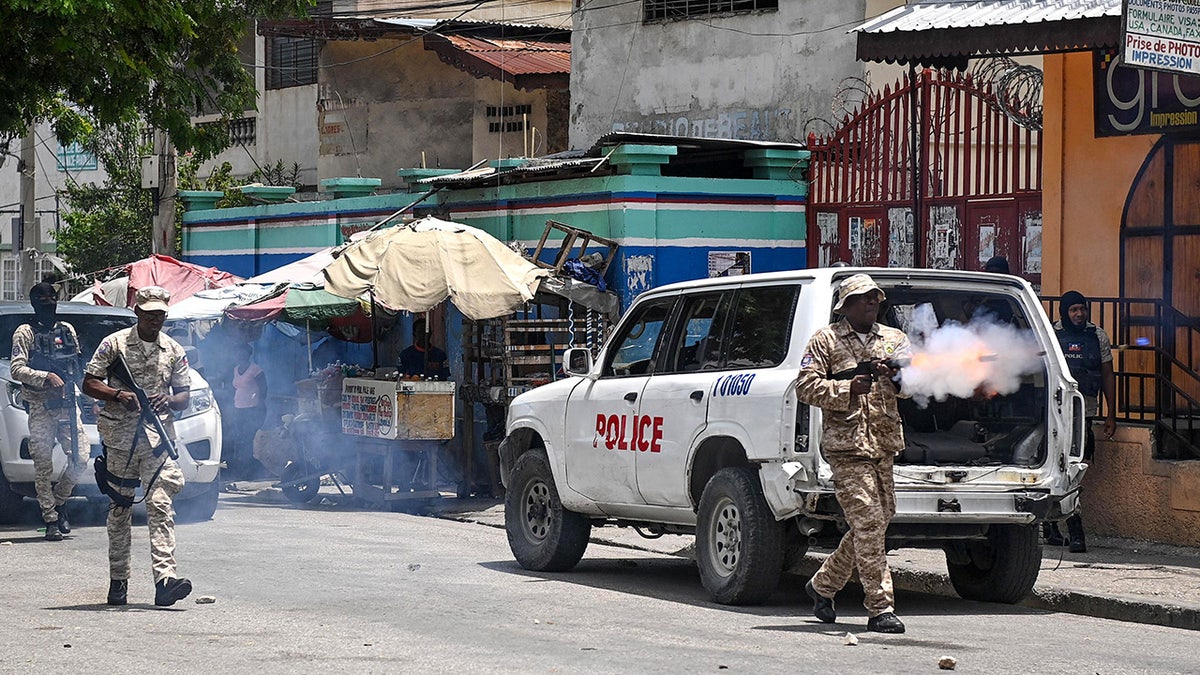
[(1155, 350)]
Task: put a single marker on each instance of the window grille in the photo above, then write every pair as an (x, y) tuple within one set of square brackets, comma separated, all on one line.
[(291, 62), (673, 10)]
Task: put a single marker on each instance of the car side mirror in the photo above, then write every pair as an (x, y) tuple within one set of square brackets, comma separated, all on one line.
[(577, 362)]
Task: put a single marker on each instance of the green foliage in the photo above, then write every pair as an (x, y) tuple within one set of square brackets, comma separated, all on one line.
[(109, 224), (278, 174), (76, 62)]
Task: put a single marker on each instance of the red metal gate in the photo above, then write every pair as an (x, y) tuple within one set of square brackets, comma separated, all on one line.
[(977, 184)]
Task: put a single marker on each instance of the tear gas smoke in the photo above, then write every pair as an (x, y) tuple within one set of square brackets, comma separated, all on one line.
[(964, 360)]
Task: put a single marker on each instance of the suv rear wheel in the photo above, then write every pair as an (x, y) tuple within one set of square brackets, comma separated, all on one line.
[(1001, 568), (10, 503), (543, 535), (739, 544)]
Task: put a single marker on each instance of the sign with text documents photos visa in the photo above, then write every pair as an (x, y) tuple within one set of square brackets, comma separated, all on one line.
[(1162, 35)]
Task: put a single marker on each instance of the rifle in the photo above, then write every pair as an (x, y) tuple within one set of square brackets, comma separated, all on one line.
[(120, 370), (68, 369), (868, 368)]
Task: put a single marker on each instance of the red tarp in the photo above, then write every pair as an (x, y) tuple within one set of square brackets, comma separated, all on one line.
[(182, 279)]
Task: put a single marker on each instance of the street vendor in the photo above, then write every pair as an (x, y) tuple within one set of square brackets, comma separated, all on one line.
[(421, 359)]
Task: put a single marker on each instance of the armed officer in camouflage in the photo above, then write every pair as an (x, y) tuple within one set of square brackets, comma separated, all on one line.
[(133, 451), (861, 436), (46, 360)]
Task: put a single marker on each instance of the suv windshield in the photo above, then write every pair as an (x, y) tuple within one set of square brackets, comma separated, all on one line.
[(91, 328)]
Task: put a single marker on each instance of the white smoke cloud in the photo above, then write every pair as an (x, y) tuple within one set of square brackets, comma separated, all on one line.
[(981, 357)]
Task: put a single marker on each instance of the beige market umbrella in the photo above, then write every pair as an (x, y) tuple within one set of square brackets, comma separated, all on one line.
[(415, 267)]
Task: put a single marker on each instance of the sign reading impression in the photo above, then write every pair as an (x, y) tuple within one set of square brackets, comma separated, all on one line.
[(1138, 101), (1162, 35)]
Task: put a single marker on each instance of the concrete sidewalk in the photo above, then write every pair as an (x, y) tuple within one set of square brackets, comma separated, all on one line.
[(1121, 579)]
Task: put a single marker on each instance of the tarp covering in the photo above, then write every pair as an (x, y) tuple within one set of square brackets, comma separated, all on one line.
[(302, 305), (182, 279), (304, 271), (416, 266), (211, 304)]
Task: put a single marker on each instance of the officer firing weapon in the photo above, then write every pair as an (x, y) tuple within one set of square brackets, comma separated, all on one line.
[(869, 367), (120, 370)]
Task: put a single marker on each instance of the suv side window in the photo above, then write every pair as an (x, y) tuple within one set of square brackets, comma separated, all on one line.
[(697, 344), (761, 326), (632, 350)]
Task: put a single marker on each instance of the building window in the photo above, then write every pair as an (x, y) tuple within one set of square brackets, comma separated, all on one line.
[(673, 10), (291, 62), (10, 279)]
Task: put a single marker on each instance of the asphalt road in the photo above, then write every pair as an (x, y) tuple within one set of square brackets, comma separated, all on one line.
[(340, 590)]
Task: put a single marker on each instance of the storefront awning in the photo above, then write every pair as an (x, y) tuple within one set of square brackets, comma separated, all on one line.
[(948, 32)]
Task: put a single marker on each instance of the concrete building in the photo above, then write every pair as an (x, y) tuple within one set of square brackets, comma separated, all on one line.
[(754, 69)]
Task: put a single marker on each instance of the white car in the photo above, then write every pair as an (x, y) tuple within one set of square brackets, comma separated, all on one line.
[(689, 423), (198, 428)]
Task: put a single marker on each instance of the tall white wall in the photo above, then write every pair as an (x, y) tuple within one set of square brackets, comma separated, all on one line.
[(762, 76)]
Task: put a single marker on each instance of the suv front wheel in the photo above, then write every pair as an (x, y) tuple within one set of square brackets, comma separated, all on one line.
[(739, 544), (544, 536)]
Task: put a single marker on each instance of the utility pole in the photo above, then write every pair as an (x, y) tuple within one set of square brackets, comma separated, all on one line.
[(163, 229), (29, 233)]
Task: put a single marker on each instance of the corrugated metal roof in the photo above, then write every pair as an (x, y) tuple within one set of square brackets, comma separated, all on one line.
[(948, 32), (517, 57), (938, 14)]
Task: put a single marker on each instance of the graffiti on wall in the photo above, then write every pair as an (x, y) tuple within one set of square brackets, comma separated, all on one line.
[(750, 125), (639, 273)]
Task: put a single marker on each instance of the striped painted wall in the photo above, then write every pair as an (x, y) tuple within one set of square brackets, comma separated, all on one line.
[(668, 228)]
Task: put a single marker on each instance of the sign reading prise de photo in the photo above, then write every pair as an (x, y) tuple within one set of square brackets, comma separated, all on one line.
[(1137, 101), (1162, 35)]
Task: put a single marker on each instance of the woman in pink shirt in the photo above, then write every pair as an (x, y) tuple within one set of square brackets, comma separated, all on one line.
[(249, 410)]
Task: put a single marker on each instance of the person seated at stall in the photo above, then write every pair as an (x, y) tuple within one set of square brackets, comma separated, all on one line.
[(420, 359)]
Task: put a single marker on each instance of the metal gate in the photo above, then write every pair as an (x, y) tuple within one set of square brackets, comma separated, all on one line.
[(937, 145)]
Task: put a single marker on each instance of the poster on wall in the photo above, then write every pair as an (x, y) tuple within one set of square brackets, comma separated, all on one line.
[(827, 246), (728, 263), (855, 238), (987, 242), (900, 237), (1031, 244), (944, 228)]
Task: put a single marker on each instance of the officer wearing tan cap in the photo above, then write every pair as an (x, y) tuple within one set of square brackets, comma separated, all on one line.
[(158, 364), (861, 436)]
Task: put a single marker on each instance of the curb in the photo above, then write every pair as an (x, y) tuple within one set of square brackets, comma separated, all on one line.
[(914, 580)]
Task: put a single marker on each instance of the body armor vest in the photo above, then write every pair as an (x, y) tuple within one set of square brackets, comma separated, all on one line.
[(1082, 349)]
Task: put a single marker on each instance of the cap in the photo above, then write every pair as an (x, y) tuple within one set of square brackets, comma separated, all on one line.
[(152, 299), (997, 263), (856, 285)]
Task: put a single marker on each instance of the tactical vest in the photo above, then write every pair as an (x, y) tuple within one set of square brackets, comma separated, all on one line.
[(1082, 349), (56, 351)]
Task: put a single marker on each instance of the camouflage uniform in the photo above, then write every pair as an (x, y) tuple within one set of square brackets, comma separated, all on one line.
[(49, 424), (861, 436), (158, 372)]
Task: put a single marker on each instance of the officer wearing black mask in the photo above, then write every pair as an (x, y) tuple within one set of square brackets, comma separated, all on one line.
[(46, 360)]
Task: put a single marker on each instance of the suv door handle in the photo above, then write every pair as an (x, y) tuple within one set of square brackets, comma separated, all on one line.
[(697, 395), (631, 396)]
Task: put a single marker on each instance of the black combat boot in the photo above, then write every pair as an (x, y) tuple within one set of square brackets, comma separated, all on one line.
[(822, 606), (64, 525), (52, 533), (1052, 535), (170, 590), (118, 591), (1078, 543), (885, 623)]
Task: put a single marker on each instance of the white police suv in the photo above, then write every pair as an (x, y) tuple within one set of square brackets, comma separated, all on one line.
[(688, 423), (198, 428)]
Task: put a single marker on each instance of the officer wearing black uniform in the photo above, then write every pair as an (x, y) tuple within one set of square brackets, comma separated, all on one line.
[(1089, 358)]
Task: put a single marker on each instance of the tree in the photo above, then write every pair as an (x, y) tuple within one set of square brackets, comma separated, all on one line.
[(103, 62), (109, 224)]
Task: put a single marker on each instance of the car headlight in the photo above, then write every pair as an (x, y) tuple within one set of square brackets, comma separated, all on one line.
[(15, 399), (201, 401)]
